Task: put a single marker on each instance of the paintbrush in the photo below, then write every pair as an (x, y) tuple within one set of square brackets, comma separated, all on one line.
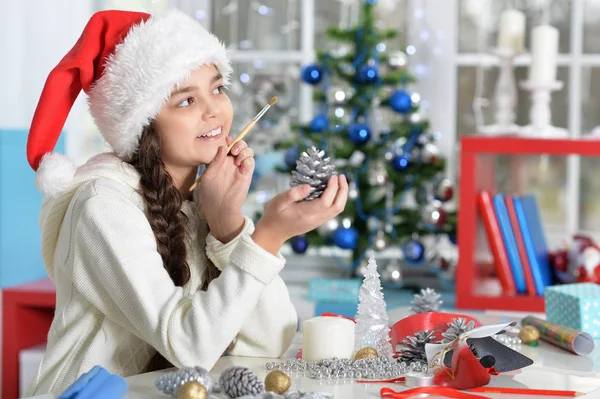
[(244, 132)]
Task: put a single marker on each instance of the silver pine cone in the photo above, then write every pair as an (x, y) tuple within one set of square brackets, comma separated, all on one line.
[(313, 169), (457, 327), (240, 381), (413, 347), (427, 301)]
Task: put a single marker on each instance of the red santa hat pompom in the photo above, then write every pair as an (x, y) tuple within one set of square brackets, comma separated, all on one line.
[(128, 63)]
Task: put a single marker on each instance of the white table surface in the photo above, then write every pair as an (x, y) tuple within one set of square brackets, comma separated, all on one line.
[(553, 368)]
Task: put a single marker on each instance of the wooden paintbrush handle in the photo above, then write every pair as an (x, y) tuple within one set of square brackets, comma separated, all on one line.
[(242, 134)]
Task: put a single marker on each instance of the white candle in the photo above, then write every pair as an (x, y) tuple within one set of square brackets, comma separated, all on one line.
[(544, 54), (325, 337), (511, 33)]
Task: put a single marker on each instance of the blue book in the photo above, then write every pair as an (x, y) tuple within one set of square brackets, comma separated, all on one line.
[(512, 251), (535, 241)]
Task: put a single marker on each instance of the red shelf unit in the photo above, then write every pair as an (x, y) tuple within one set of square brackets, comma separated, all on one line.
[(476, 174)]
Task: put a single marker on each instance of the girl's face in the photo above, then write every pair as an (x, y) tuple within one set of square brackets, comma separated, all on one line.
[(195, 120)]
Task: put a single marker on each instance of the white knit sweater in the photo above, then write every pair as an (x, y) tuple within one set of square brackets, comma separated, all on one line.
[(115, 303)]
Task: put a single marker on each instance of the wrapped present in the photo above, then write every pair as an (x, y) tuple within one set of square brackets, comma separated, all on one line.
[(575, 306)]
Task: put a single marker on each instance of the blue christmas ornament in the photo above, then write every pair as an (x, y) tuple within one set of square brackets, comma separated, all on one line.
[(319, 123), (312, 74), (299, 244), (452, 238), (414, 252), (345, 238), (400, 101), (367, 74), (291, 156), (359, 133), (401, 162)]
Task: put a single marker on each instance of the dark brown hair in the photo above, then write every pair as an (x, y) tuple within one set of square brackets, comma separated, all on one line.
[(163, 210)]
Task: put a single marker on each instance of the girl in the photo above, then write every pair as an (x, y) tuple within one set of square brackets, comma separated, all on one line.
[(139, 275)]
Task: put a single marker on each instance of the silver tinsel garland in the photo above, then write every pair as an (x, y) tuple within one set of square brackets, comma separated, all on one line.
[(170, 383), (377, 368), (313, 169), (457, 327), (427, 301)]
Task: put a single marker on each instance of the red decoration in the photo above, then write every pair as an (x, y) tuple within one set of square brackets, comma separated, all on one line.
[(466, 371), (420, 391)]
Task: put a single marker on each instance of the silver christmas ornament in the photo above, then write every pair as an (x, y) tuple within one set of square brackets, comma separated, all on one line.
[(352, 191), (326, 229), (433, 215), (339, 95), (430, 153), (313, 169), (415, 117), (377, 174), (339, 116), (396, 60), (381, 241), (456, 327), (170, 383), (427, 301), (444, 190), (392, 274)]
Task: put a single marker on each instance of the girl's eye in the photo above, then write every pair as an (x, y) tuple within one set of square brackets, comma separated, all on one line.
[(186, 103), (219, 90)]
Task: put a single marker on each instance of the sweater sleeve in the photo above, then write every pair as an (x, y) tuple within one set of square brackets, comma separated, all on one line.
[(270, 328), (121, 273)]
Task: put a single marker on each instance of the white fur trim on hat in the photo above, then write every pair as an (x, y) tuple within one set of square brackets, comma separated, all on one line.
[(139, 76), (54, 174)]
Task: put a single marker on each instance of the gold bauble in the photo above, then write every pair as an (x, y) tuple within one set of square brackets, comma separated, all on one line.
[(192, 390), (529, 335), (366, 353), (277, 382)]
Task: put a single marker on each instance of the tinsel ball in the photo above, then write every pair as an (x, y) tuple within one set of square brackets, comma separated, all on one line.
[(368, 74), (319, 123), (396, 60), (192, 390), (392, 274), (414, 251), (444, 190), (299, 244), (400, 101), (359, 133), (312, 74), (291, 155), (346, 237), (277, 381), (366, 353), (529, 335), (377, 174), (326, 229), (433, 215), (401, 162)]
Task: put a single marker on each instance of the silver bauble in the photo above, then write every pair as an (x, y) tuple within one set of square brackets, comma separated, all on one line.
[(396, 60), (444, 190), (392, 274), (326, 229), (381, 241), (430, 153), (338, 95), (352, 191), (433, 215), (378, 175), (339, 115)]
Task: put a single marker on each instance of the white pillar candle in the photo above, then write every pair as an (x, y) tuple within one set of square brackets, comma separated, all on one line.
[(325, 337), (511, 32), (544, 54)]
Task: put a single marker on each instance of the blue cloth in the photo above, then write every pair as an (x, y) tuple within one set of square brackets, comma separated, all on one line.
[(97, 383)]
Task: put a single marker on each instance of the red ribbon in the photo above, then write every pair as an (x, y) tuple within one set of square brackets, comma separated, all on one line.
[(441, 391)]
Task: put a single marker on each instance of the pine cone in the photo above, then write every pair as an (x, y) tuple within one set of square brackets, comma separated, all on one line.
[(413, 347), (457, 327), (313, 169), (240, 381), (427, 301)]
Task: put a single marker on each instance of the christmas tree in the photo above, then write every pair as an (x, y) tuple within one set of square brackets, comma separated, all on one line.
[(372, 328), (386, 161)]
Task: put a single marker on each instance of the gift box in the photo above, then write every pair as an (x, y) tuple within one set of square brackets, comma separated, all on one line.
[(575, 306)]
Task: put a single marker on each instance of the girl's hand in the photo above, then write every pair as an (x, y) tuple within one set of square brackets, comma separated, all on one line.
[(286, 215), (223, 189)]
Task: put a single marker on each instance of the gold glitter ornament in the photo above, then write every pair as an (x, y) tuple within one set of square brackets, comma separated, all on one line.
[(192, 390), (365, 353), (278, 382), (529, 335)]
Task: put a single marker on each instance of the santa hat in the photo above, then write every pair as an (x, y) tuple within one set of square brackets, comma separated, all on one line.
[(127, 63)]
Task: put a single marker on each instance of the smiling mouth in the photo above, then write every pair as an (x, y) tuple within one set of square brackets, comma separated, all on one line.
[(212, 135)]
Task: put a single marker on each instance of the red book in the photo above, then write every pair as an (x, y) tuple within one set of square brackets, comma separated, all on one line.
[(484, 201), (514, 221)]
